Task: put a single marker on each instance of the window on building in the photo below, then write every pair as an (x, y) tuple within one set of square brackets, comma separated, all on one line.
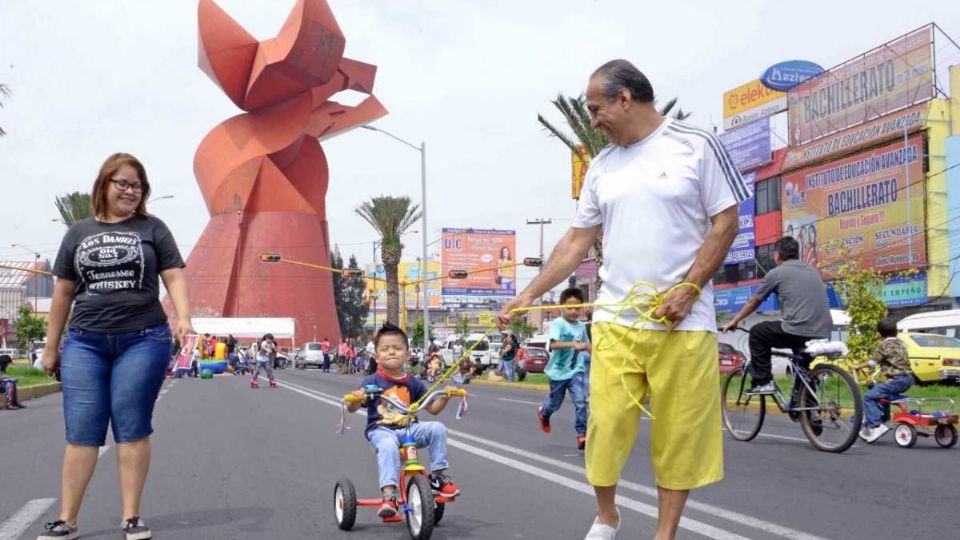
[(734, 273), (768, 195), (764, 259)]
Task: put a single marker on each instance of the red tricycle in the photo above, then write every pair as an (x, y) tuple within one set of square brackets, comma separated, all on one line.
[(924, 417), (415, 498)]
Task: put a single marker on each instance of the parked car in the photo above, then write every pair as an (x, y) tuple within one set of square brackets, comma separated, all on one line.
[(730, 358), (933, 357), (535, 359), (310, 355)]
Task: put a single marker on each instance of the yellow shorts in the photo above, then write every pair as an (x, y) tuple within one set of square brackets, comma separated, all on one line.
[(679, 371)]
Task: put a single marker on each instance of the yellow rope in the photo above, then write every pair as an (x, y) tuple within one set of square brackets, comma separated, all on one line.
[(643, 298)]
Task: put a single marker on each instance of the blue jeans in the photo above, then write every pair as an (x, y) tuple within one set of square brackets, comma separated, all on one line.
[(509, 373), (386, 442), (874, 413), (558, 389), (112, 379)]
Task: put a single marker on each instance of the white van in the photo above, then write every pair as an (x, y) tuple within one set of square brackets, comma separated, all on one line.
[(481, 352), (945, 323)]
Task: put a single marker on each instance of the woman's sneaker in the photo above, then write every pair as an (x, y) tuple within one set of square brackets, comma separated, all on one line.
[(135, 529), (59, 530)]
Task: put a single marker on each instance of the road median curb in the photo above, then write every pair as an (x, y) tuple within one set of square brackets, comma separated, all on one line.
[(533, 387)]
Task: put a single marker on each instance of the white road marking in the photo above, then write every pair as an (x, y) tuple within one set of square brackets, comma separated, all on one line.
[(783, 437), (517, 401), (736, 517), (23, 518)]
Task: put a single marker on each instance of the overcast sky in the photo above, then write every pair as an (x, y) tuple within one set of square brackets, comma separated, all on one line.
[(90, 78)]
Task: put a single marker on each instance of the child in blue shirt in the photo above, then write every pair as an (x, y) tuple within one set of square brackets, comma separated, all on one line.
[(566, 370), (384, 423)]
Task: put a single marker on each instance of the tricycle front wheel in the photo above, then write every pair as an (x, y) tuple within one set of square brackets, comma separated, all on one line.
[(946, 435), (420, 517)]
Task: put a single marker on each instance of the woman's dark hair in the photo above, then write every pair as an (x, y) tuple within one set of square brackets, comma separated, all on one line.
[(98, 199), (389, 329), (621, 74), (788, 248)]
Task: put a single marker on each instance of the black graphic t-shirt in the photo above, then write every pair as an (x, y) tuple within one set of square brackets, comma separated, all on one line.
[(116, 267)]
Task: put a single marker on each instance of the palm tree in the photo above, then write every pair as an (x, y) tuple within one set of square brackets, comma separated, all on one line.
[(4, 92), (391, 217), (74, 207), (574, 111)]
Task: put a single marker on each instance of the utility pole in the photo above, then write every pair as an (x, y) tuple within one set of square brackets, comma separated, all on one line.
[(541, 222)]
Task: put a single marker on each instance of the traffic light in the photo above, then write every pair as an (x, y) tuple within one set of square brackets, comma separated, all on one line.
[(458, 274), (351, 272), (269, 257), (532, 261)]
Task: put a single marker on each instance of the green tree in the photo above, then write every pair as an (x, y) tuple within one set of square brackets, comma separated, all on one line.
[(859, 290), (390, 217), (29, 326), (336, 261), (74, 207), (353, 303), (521, 328), (4, 93), (416, 334), (462, 327), (575, 114)]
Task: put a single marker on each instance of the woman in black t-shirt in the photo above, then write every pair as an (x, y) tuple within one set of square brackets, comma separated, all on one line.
[(109, 267)]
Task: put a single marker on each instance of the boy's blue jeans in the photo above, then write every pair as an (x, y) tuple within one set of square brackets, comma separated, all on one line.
[(873, 412), (578, 393), (386, 442)]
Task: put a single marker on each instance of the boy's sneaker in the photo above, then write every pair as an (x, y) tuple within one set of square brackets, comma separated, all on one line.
[(871, 434), (59, 530), (443, 485), (581, 442), (135, 529), (544, 421), (388, 506)]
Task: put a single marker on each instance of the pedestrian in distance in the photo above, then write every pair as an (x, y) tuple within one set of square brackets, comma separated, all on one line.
[(267, 347), (116, 350), (8, 387), (565, 369), (664, 194), (384, 423), (894, 362), (508, 356), (325, 349)]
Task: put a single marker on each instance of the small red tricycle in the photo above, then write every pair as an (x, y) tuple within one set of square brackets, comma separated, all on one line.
[(415, 498), (924, 417)]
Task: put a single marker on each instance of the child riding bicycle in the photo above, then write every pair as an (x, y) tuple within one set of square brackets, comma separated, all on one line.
[(894, 362), (384, 423)]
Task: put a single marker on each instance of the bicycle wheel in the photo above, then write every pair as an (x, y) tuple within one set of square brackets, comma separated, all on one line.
[(742, 414), (829, 424)]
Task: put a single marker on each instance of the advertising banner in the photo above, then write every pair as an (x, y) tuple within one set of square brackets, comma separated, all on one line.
[(408, 271), (744, 246), (905, 290), (887, 128), (489, 257), (733, 299), (895, 75), (786, 75), (750, 102), (579, 161), (749, 144), (862, 205)]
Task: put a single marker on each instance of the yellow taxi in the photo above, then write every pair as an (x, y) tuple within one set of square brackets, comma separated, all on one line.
[(933, 357)]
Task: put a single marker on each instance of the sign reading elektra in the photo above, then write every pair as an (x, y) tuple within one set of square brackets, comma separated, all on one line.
[(786, 75)]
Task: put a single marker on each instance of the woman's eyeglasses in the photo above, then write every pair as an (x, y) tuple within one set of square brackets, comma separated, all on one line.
[(123, 185)]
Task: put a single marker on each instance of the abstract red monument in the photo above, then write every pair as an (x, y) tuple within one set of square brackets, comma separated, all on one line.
[(263, 173)]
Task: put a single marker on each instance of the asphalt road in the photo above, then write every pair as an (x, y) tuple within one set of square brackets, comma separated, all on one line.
[(230, 462)]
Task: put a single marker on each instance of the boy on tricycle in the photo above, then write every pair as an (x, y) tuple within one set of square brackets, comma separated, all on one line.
[(894, 363), (386, 425)]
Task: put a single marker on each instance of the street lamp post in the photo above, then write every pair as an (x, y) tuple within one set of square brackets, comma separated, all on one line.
[(36, 284), (541, 222), (423, 220)]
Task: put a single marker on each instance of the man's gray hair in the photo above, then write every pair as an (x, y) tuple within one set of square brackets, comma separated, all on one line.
[(621, 74)]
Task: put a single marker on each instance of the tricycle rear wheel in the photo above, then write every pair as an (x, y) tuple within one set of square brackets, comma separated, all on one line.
[(946, 435), (345, 504), (905, 435)]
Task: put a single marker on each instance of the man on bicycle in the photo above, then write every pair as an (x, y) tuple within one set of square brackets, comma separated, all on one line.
[(803, 304)]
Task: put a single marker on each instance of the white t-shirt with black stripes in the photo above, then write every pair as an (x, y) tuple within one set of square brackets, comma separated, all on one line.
[(654, 200)]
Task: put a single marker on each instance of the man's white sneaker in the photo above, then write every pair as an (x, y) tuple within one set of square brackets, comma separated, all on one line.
[(599, 531), (871, 434)]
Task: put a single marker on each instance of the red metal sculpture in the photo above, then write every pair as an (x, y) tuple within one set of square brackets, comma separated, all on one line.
[(263, 174)]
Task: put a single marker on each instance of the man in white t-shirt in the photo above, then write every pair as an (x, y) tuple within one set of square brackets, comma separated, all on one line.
[(664, 194)]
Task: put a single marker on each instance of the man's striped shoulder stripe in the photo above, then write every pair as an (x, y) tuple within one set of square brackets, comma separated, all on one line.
[(732, 175)]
